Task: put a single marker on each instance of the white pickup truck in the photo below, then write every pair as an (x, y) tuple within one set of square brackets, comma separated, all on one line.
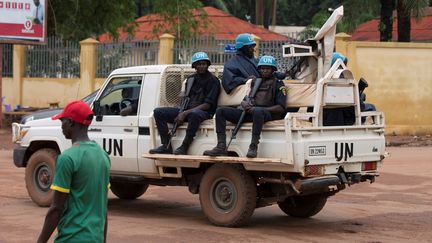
[(301, 162)]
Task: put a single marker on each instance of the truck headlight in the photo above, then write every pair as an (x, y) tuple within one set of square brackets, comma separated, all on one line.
[(18, 132)]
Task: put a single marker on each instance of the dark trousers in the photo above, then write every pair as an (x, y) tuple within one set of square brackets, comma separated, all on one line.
[(258, 117), (165, 115)]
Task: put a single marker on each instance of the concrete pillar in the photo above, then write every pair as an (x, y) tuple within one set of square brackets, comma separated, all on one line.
[(342, 40), (257, 39), (166, 49), (19, 63), (347, 47), (88, 65)]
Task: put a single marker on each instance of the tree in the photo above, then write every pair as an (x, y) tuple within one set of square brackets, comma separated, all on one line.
[(386, 20), (406, 9), (300, 13), (79, 19), (355, 13), (179, 16), (265, 12), (243, 9)]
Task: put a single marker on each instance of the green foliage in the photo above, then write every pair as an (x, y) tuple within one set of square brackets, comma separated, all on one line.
[(355, 13), (294, 12), (238, 8), (179, 14), (79, 19), (358, 12), (317, 21), (417, 7)]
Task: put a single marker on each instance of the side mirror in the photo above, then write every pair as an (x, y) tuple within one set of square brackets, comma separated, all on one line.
[(97, 110)]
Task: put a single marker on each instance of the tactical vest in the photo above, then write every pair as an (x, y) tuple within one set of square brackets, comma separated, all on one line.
[(266, 93), (198, 92)]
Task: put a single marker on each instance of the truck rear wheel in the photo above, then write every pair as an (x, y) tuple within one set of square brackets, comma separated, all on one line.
[(227, 195), (303, 207), (128, 190), (39, 175)]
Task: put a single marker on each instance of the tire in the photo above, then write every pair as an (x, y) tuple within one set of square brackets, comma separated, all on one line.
[(303, 207), (39, 175), (227, 195), (128, 190)]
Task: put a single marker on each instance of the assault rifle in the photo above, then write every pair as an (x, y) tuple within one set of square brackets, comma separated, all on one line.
[(295, 68), (183, 106), (249, 98)]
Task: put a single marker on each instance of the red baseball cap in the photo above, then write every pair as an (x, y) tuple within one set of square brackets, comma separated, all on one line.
[(78, 111)]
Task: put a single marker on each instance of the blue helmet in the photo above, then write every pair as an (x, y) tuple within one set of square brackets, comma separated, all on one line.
[(200, 56), (268, 61), (337, 55), (244, 39)]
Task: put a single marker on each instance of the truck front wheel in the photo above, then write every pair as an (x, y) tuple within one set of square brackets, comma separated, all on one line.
[(303, 207), (128, 190), (227, 195), (39, 174)]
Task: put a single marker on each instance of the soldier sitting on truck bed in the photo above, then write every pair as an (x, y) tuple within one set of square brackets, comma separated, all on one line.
[(242, 66), (202, 98), (268, 103), (346, 115)]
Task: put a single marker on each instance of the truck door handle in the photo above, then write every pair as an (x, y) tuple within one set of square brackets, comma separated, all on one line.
[(95, 130), (128, 129)]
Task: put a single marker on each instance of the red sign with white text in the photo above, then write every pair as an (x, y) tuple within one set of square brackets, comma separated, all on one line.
[(22, 20)]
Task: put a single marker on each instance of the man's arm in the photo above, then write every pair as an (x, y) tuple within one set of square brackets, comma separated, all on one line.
[(234, 75), (209, 101), (230, 80), (53, 216), (182, 116)]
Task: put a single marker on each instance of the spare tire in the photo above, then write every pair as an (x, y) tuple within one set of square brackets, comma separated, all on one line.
[(128, 190), (303, 206)]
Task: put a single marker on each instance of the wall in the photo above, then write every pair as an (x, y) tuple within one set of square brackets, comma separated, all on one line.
[(39, 92), (399, 77), (400, 81), (7, 90)]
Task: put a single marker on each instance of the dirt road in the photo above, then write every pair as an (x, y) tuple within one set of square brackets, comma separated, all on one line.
[(397, 208)]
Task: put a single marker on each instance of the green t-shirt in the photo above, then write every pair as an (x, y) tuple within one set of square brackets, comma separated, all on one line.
[(83, 172)]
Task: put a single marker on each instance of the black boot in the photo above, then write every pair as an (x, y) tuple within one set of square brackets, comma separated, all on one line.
[(253, 147), (165, 148), (183, 149), (220, 149)]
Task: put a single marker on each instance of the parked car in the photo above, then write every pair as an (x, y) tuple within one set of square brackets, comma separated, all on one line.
[(45, 113)]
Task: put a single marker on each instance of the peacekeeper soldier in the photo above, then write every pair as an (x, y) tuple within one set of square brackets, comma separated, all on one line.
[(241, 67), (203, 97), (346, 115), (80, 183), (268, 104)]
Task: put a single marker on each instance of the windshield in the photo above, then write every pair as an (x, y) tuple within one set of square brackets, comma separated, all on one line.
[(89, 98)]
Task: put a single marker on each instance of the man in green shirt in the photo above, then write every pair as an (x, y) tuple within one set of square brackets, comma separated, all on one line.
[(80, 183)]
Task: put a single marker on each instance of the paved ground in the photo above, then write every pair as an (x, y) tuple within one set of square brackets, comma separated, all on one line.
[(397, 208)]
